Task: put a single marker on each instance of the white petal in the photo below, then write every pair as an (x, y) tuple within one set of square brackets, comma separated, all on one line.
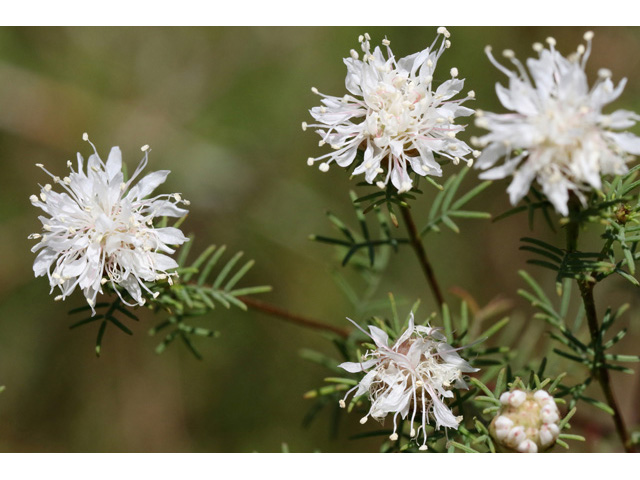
[(354, 367), (114, 163), (626, 141)]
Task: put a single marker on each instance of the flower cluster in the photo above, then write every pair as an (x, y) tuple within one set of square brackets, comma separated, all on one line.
[(413, 376), (394, 115), (100, 229), (557, 133), (527, 421)]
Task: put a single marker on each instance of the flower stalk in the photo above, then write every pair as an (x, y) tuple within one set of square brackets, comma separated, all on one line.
[(292, 317), (418, 247)]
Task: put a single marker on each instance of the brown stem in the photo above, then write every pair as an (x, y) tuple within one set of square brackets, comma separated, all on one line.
[(599, 371), (418, 247), (292, 317)]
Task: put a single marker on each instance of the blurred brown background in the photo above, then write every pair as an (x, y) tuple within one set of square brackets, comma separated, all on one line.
[(222, 108)]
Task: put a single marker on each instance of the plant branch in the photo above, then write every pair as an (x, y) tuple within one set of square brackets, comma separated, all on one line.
[(292, 317), (418, 247), (599, 371)]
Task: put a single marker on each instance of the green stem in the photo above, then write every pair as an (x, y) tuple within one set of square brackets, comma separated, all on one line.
[(598, 371), (418, 247)]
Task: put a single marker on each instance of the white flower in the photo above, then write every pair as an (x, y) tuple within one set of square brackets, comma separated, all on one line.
[(557, 133), (100, 229), (394, 115), (414, 376)]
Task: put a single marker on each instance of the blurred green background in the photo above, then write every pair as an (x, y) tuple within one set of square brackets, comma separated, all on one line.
[(222, 108)]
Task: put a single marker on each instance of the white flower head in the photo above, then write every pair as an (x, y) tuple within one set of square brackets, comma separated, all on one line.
[(556, 133), (393, 113), (100, 230), (412, 377)]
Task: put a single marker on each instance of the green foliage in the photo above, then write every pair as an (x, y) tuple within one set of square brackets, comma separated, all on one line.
[(354, 241), (588, 352), (533, 203), (185, 298), (585, 266), (195, 291), (446, 206), (107, 318), (444, 209)]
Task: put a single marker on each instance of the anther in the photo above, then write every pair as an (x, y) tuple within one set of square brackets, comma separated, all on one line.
[(85, 137), (364, 419), (354, 54), (324, 167), (342, 404), (393, 437), (551, 41), (588, 36), (304, 126), (314, 90), (386, 42), (454, 72), (604, 73), (144, 148), (538, 47), (310, 161), (508, 53), (471, 94)]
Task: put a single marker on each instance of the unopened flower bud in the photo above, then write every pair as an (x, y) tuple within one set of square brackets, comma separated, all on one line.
[(527, 422)]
